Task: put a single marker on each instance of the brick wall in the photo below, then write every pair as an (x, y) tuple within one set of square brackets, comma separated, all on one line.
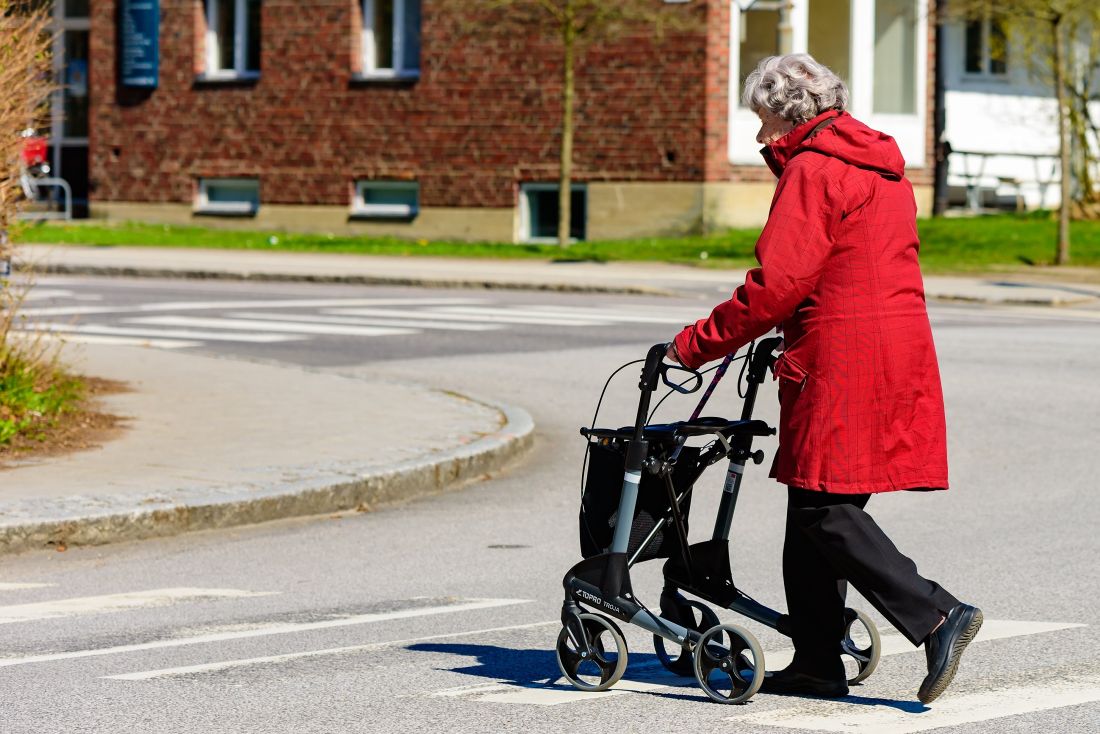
[(482, 116)]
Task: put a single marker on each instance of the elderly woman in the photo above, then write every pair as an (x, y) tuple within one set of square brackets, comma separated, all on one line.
[(861, 408)]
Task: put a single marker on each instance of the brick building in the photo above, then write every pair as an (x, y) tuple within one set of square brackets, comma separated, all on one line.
[(415, 118)]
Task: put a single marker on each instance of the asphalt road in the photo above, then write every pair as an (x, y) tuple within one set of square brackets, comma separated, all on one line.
[(379, 622)]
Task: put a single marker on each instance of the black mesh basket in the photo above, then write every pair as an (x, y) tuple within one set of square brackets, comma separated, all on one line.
[(603, 486)]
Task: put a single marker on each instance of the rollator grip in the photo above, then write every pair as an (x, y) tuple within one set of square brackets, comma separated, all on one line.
[(763, 358), (651, 372)]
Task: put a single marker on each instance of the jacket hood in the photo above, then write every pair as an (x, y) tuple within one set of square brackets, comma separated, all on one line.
[(839, 135)]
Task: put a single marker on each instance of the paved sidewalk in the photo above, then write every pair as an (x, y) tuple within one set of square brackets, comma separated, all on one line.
[(653, 278), (216, 442)]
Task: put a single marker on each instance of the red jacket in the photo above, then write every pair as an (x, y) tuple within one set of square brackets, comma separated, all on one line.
[(861, 408)]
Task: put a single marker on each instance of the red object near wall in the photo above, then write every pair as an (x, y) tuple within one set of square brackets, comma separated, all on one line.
[(34, 151)]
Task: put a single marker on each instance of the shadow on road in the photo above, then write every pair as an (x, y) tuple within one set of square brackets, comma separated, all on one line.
[(539, 669)]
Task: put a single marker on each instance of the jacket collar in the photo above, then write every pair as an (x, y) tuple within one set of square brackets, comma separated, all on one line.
[(778, 154)]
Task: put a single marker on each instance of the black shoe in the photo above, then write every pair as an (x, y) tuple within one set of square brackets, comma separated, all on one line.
[(944, 647), (797, 683)]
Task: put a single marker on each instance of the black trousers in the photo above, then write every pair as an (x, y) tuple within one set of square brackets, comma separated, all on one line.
[(830, 541)]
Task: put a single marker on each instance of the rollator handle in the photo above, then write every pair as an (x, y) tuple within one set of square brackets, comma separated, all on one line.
[(763, 357), (651, 371)]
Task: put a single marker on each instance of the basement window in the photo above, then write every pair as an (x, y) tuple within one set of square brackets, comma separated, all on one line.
[(238, 197), (386, 200), (539, 212)]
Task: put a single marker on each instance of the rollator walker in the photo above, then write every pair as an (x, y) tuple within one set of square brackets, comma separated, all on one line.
[(646, 473)]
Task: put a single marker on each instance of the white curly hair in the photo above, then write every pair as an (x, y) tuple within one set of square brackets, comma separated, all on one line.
[(795, 87)]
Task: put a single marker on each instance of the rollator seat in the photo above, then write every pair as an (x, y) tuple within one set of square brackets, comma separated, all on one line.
[(697, 427)]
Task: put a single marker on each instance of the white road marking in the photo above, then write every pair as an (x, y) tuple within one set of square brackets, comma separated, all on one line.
[(41, 294), (412, 321), (114, 603), (119, 341), (501, 316), (893, 644), (185, 334), (228, 664), (16, 586), (283, 327), (218, 305), (842, 716), (606, 314), (265, 630)]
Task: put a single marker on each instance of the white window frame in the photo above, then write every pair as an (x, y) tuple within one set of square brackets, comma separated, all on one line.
[(203, 205), (987, 73), (908, 129), (525, 210), (240, 43), (361, 208), (398, 71)]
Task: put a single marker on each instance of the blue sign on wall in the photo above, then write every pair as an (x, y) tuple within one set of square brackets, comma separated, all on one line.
[(139, 41)]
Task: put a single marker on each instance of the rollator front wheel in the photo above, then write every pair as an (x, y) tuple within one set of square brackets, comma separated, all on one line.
[(691, 614), (603, 664), (861, 647), (729, 664)]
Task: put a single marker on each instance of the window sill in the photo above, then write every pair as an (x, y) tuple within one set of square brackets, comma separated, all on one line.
[(228, 78), (386, 77)]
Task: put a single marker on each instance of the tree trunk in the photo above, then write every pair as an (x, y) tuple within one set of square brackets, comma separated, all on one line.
[(1062, 256), (568, 37)]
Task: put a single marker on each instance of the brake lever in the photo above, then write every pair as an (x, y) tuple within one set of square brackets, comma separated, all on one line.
[(680, 387)]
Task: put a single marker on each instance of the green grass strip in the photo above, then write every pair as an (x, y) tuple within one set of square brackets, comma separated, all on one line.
[(947, 244)]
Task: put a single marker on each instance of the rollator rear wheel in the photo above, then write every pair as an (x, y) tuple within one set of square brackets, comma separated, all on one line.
[(691, 614), (861, 646), (729, 664), (601, 669)]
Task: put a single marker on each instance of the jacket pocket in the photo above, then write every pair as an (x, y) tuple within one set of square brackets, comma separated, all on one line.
[(787, 371)]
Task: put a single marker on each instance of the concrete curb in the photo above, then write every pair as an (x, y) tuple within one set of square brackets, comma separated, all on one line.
[(345, 488), (350, 279), (1052, 301)]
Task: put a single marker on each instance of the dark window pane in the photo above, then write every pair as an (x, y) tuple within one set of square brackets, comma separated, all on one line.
[(252, 62), (412, 35), (998, 48), (543, 208), (76, 8), (226, 25), (974, 47), (383, 34), (75, 90), (759, 38)]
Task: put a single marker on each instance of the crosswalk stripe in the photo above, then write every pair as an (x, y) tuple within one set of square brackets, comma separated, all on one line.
[(118, 341), (186, 334), (216, 305), (895, 644), (489, 316), (849, 716), (17, 586), (80, 606), (266, 630), (229, 664), (411, 321), (269, 326), (619, 316)]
